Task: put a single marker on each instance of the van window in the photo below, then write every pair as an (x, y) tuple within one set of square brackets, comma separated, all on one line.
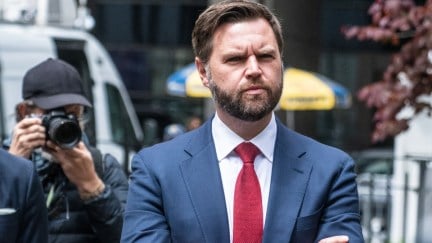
[(2, 125), (121, 127), (72, 51)]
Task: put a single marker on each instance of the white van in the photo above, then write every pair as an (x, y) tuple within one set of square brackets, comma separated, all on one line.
[(113, 126)]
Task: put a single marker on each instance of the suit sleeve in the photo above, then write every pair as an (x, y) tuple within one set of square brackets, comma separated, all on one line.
[(106, 211), (34, 224), (341, 214), (144, 219)]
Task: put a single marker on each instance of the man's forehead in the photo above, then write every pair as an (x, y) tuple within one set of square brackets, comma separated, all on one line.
[(254, 30), (75, 108)]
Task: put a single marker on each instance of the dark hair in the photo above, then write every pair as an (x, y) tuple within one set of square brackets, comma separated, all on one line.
[(229, 11)]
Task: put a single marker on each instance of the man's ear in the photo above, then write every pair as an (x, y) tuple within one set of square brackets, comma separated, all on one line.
[(202, 71), (20, 111)]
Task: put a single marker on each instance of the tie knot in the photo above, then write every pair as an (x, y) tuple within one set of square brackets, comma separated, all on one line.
[(247, 152)]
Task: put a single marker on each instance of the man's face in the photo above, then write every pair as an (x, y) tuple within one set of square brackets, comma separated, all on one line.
[(76, 110), (244, 72)]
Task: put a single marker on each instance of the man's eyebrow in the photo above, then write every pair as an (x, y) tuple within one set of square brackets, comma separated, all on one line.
[(232, 51), (267, 49)]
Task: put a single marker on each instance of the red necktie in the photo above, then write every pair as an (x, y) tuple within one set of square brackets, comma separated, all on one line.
[(248, 212)]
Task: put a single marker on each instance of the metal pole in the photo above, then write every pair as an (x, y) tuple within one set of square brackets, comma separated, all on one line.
[(388, 209), (421, 197), (405, 198)]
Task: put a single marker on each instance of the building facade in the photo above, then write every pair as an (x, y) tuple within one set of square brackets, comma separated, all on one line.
[(150, 39)]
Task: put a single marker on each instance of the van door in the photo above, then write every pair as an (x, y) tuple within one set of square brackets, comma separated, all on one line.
[(72, 51), (2, 125), (20, 50), (121, 127), (110, 125)]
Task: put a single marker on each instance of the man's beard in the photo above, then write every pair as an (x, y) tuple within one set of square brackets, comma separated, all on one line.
[(251, 108)]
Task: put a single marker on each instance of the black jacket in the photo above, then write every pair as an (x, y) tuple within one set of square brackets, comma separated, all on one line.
[(99, 220), (70, 220)]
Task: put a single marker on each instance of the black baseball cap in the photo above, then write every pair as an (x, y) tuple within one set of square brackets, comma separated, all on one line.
[(53, 83)]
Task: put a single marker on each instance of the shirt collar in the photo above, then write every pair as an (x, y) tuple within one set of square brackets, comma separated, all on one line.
[(226, 140)]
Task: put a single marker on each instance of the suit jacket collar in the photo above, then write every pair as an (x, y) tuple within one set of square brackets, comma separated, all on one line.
[(290, 175), (202, 177)]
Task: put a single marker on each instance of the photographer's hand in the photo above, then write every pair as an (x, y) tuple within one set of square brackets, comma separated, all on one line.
[(28, 134), (78, 166)]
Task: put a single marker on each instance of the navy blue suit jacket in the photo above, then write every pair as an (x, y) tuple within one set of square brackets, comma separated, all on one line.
[(23, 214), (176, 192)]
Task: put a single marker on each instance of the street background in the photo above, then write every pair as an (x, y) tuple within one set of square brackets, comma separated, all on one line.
[(150, 40)]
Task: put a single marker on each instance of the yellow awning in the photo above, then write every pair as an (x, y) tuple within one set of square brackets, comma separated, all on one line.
[(302, 90)]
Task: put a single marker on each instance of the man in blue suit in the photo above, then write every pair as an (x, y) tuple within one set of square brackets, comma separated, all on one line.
[(23, 215), (194, 188)]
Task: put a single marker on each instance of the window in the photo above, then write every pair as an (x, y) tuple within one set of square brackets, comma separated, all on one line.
[(121, 127), (147, 23)]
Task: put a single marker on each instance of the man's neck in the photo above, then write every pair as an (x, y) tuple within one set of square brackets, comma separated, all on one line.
[(245, 129)]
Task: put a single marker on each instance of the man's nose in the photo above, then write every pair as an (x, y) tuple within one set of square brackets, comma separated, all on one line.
[(252, 67)]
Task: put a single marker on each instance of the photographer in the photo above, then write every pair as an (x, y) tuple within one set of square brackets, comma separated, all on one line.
[(85, 191)]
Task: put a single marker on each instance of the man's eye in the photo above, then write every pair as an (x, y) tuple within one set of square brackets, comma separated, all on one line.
[(266, 56), (234, 59)]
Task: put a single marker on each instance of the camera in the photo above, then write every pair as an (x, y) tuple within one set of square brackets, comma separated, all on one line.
[(62, 129)]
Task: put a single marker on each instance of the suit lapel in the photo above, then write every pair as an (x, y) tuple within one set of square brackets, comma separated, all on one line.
[(202, 178), (290, 176)]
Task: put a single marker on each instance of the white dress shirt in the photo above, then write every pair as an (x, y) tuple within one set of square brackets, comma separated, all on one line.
[(230, 163)]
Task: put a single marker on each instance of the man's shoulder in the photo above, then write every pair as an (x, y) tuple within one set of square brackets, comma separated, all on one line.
[(176, 150), (180, 142), (308, 144), (12, 162), (166, 148), (15, 167)]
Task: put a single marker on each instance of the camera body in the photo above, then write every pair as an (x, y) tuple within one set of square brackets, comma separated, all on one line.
[(62, 129)]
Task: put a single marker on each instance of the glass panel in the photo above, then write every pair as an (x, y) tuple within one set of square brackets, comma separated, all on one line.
[(121, 127)]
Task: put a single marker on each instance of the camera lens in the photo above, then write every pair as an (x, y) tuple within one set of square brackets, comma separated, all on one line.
[(64, 132)]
